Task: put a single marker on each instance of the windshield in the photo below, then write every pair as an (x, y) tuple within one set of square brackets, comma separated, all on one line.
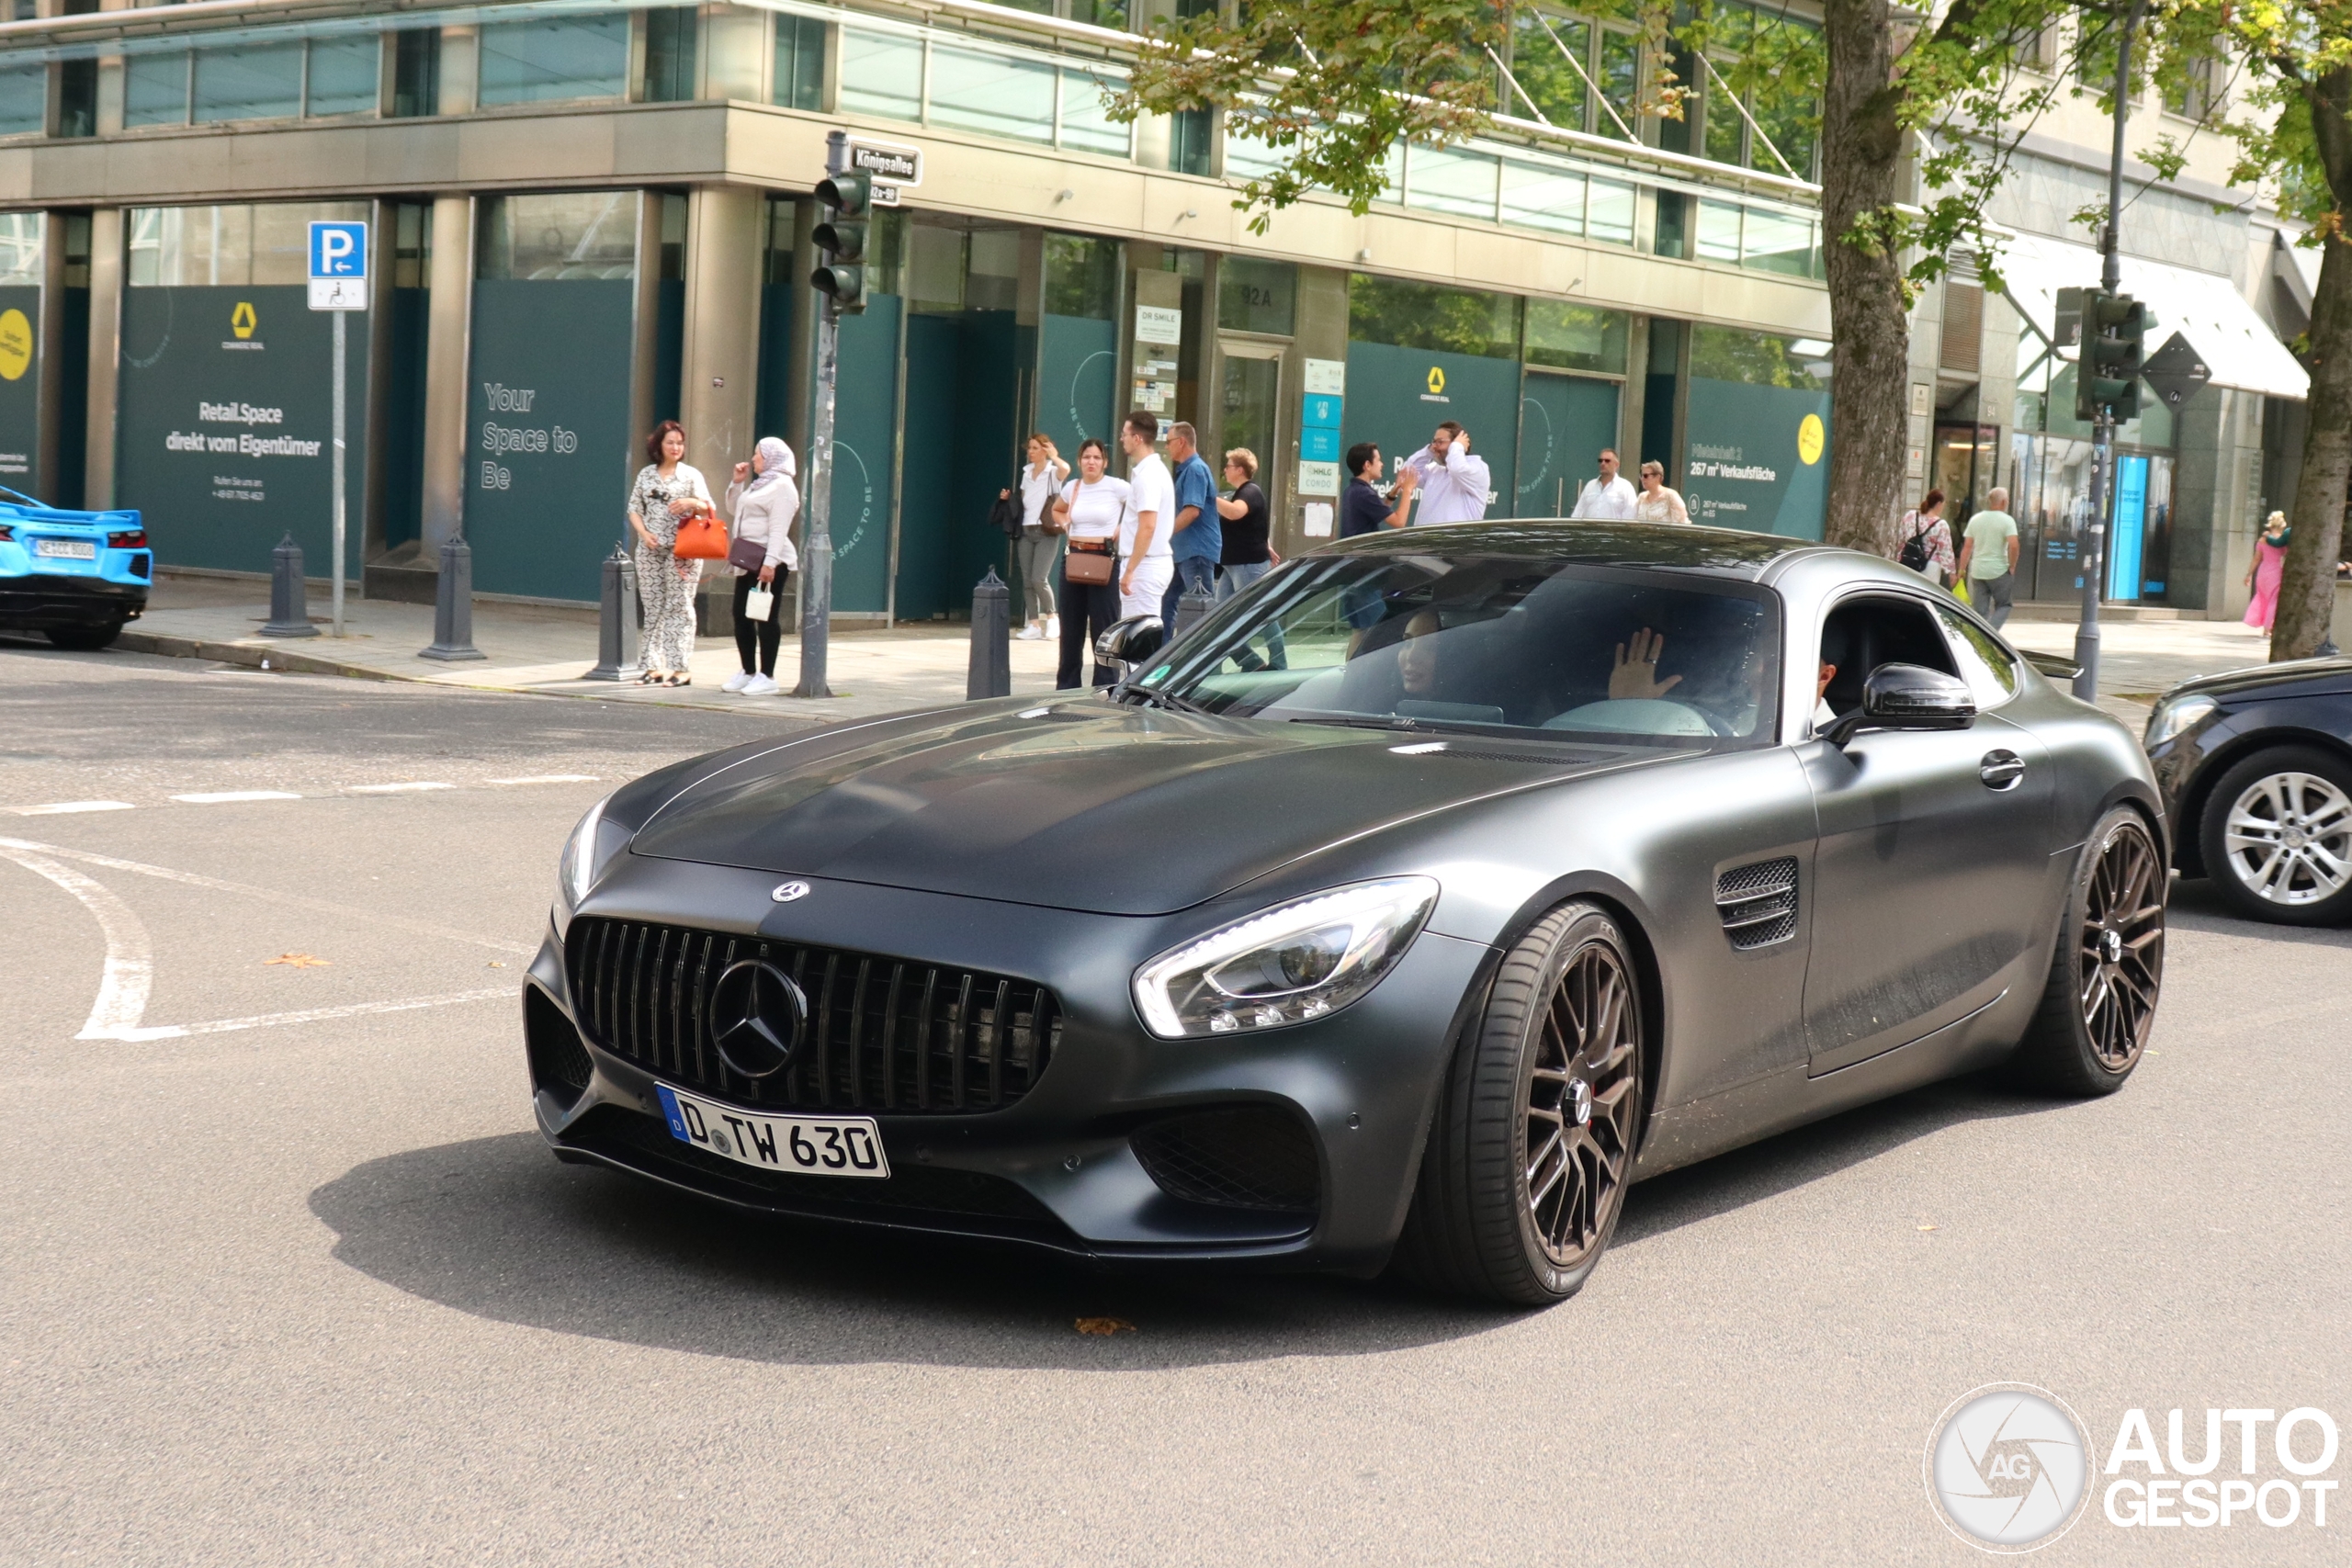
[(1481, 642)]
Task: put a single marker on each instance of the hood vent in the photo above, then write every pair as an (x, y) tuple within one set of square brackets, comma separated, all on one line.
[(1759, 903)]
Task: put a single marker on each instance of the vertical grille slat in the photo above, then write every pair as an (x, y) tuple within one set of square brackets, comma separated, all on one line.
[(885, 1033)]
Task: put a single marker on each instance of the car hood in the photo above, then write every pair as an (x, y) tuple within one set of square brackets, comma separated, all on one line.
[(2300, 677), (1112, 809)]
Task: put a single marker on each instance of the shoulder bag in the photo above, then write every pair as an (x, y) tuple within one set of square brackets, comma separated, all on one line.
[(1090, 563)]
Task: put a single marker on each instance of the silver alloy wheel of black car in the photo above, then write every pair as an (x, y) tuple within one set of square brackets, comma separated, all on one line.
[(2277, 836), (1533, 1145), (2099, 1002)]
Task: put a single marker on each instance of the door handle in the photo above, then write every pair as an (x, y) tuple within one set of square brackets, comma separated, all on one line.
[(2001, 770)]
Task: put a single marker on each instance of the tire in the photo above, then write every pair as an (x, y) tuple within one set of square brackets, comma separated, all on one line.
[(2107, 967), (2276, 836), (84, 639), (1562, 1032)]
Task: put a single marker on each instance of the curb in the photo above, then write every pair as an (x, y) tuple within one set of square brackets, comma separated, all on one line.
[(286, 658)]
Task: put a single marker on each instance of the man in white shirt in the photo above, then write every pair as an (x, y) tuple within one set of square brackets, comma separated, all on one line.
[(1609, 497), (1452, 483), (1149, 565)]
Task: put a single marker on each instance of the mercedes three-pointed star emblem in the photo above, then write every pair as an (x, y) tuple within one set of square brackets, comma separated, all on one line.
[(756, 1013)]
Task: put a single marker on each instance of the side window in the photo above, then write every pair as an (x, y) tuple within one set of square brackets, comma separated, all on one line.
[(1867, 631), (1985, 664)]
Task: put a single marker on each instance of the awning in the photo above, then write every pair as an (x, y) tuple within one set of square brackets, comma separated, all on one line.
[(2235, 342), (2297, 266)]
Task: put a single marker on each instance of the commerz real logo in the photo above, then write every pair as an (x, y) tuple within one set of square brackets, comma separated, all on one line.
[(2009, 1468)]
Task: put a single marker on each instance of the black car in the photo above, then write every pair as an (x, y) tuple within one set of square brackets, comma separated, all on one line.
[(1407, 908), (2256, 767)]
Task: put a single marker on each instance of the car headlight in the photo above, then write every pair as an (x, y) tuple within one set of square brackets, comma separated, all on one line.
[(2175, 716), (1286, 964), (575, 871)]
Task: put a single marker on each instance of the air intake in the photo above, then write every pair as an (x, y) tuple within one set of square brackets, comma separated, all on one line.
[(1759, 903)]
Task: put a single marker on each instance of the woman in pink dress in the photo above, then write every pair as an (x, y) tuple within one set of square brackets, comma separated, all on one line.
[(2269, 562)]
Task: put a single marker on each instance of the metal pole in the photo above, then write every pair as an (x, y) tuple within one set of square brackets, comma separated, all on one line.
[(2111, 279), (339, 317), (815, 535)]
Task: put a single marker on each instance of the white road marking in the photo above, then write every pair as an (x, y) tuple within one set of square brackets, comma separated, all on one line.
[(130, 971), (60, 807), (225, 796), (243, 890), (391, 788), (549, 778), (308, 1015)]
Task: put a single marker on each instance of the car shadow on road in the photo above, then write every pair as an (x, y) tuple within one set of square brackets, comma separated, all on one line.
[(494, 1227), (2199, 906)]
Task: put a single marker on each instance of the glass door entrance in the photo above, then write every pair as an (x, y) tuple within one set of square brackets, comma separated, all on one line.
[(1249, 413)]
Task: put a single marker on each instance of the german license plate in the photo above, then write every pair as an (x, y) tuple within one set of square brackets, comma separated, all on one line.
[(66, 549), (811, 1145)]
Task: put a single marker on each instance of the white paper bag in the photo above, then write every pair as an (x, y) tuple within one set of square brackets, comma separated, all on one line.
[(759, 605)]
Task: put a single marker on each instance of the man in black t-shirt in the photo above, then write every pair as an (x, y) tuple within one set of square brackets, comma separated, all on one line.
[(1361, 510)]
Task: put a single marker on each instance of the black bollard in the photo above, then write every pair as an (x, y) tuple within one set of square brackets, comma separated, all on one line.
[(616, 621), (453, 605), (289, 605), (1191, 610), (992, 669)]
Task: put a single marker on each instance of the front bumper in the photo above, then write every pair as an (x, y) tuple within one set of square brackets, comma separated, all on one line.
[(40, 599), (1060, 1167)]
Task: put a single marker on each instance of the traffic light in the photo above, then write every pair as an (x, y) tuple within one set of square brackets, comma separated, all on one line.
[(842, 236), (2115, 333)]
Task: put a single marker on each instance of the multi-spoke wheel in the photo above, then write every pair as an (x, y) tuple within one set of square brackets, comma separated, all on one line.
[(2101, 1001), (1532, 1146), (2277, 836)]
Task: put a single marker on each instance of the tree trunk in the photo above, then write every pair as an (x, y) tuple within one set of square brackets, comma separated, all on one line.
[(2307, 590), (1870, 329)]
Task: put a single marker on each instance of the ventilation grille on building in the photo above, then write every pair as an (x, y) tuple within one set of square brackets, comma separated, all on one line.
[(1963, 326), (1759, 903)]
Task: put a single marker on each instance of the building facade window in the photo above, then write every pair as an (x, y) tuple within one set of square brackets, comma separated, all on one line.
[(799, 79), (559, 236), (247, 82), (259, 243), (881, 74), (416, 72), (22, 248), (1569, 336), (77, 98), (993, 93), (154, 89), (345, 75), (1427, 316), (672, 35), (1257, 296), (554, 58), (24, 100), (1086, 125)]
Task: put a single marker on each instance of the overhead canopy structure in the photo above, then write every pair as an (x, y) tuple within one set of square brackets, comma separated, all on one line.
[(2236, 343)]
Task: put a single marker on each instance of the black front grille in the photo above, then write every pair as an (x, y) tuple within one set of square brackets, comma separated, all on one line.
[(884, 1034), (1759, 903), (1248, 1157)]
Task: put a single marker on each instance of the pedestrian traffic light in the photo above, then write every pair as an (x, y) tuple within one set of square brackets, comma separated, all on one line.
[(842, 237), (2115, 331)]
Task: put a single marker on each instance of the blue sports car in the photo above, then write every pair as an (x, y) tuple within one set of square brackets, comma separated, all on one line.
[(78, 576)]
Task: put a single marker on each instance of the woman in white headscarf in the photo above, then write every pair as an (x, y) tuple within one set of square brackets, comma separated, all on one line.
[(765, 502)]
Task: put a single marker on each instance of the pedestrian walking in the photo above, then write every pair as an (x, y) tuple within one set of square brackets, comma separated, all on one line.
[(1089, 512), (1927, 541), (1037, 552), (1607, 497), (1452, 483), (765, 500), (1196, 544), (1363, 510), (1248, 552), (1988, 558), (667, 492), (1147, 562), (1656, 504), (2269, 565)]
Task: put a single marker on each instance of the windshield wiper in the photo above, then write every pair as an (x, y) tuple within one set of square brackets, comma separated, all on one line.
[(1156, 698)]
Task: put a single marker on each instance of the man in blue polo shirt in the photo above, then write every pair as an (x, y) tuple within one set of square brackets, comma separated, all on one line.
[(1200, 536), (1362, 511)]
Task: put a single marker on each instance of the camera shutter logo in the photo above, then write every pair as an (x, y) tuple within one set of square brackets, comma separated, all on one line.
[(756, 1013), (2008, 1467)]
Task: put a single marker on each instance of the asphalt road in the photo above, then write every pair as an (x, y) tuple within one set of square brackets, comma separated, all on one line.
[(287, 1276)]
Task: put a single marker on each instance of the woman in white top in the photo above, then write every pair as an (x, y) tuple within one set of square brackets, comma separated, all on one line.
[(1039, 549), (1091, 511), (1656, 504), (668, 490), (764, 501)]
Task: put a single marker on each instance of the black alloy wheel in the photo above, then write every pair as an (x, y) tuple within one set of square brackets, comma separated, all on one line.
[(1532, 1147), (2276, 836), (2099, 1003)]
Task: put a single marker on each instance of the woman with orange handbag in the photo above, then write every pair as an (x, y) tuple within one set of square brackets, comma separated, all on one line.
[(677, 529)]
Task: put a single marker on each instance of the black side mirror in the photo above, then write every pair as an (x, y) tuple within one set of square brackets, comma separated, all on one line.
[(1131, 641), (1907, 697)]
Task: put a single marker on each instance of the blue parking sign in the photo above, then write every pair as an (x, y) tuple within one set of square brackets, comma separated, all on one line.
[(338, 265)]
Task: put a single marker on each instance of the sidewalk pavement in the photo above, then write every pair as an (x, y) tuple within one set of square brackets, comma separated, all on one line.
[(546, 650), (542, 649)]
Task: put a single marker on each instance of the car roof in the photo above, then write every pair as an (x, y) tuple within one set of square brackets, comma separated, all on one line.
[(1668, 546)]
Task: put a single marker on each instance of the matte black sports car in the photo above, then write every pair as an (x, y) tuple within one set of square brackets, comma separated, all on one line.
[(2256, 767), (1409, 908)]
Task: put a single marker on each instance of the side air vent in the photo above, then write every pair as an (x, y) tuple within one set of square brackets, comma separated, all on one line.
[(1759, 903)]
